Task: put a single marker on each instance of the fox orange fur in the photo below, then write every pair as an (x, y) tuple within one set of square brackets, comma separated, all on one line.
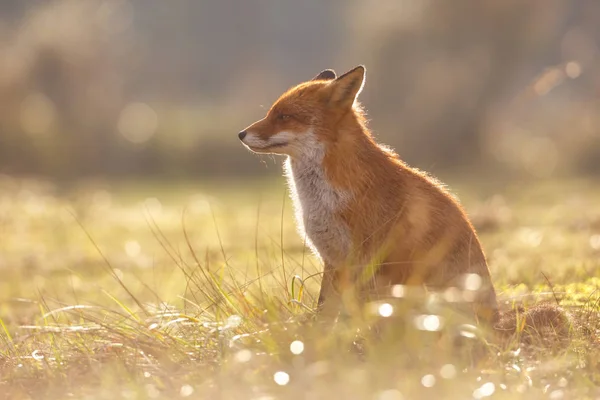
[(361, 207)]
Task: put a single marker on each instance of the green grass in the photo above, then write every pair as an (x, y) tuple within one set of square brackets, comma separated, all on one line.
[(146, 291)]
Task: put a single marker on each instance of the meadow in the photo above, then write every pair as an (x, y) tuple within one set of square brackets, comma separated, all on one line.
[(146, 290)]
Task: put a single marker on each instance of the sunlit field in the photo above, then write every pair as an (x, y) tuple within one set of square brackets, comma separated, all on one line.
[(139, 290)]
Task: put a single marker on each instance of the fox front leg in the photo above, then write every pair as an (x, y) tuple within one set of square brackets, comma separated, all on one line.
[(329, 301), (335, 287)]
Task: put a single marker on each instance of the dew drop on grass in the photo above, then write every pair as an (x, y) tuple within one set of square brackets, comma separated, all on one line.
[(281, 378), (486, 390), (430, 323), (186, 390), (386, 310), (448, 371), (37, 355), (472, 282), (467, 331), (233, 321), (243, 356), (398, 291), (562, 382), (390, 394), (297, 347), (428, 381), (546, 387)]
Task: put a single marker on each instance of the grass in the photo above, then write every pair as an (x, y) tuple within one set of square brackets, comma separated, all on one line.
[(184, 290)]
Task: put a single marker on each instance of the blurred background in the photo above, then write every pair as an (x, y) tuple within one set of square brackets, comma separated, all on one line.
[(123, 184), (150, 88)]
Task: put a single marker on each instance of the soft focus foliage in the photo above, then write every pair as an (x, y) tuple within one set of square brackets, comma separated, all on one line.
[(147, 87), (115, 290)]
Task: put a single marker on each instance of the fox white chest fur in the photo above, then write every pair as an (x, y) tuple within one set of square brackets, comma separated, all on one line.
[(316, 203)]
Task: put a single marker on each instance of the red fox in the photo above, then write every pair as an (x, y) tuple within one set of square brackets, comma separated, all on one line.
[(360, 206)]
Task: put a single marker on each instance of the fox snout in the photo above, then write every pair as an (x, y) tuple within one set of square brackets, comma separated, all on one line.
[(252, 140), (260, 138)]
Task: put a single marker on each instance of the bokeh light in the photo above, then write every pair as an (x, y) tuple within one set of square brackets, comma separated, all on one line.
[(297, 347), (386, 310), (428, 381), (281, 378), (138, 122)]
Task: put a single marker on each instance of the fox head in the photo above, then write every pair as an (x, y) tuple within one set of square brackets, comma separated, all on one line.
[(306, 114)]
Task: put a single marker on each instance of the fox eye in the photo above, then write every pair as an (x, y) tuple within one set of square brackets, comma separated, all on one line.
[(284, 117)]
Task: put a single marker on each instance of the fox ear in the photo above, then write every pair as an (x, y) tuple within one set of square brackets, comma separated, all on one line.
[(346, 88), (325, 75)]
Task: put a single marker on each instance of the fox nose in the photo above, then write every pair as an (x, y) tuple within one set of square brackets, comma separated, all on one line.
[(242, 135)]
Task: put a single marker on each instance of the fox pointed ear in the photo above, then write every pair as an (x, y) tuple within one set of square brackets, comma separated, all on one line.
[(346, 88), (325, 75)]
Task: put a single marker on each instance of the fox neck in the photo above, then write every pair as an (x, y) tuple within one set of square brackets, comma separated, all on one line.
[(325, 178), (308, 180), (345, 164), (348, 161), (318, 203)]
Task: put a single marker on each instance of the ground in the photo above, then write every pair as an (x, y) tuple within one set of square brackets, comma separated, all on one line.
[(142, 290)]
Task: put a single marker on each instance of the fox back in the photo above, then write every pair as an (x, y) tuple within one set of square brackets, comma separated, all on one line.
[(359, 205)]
